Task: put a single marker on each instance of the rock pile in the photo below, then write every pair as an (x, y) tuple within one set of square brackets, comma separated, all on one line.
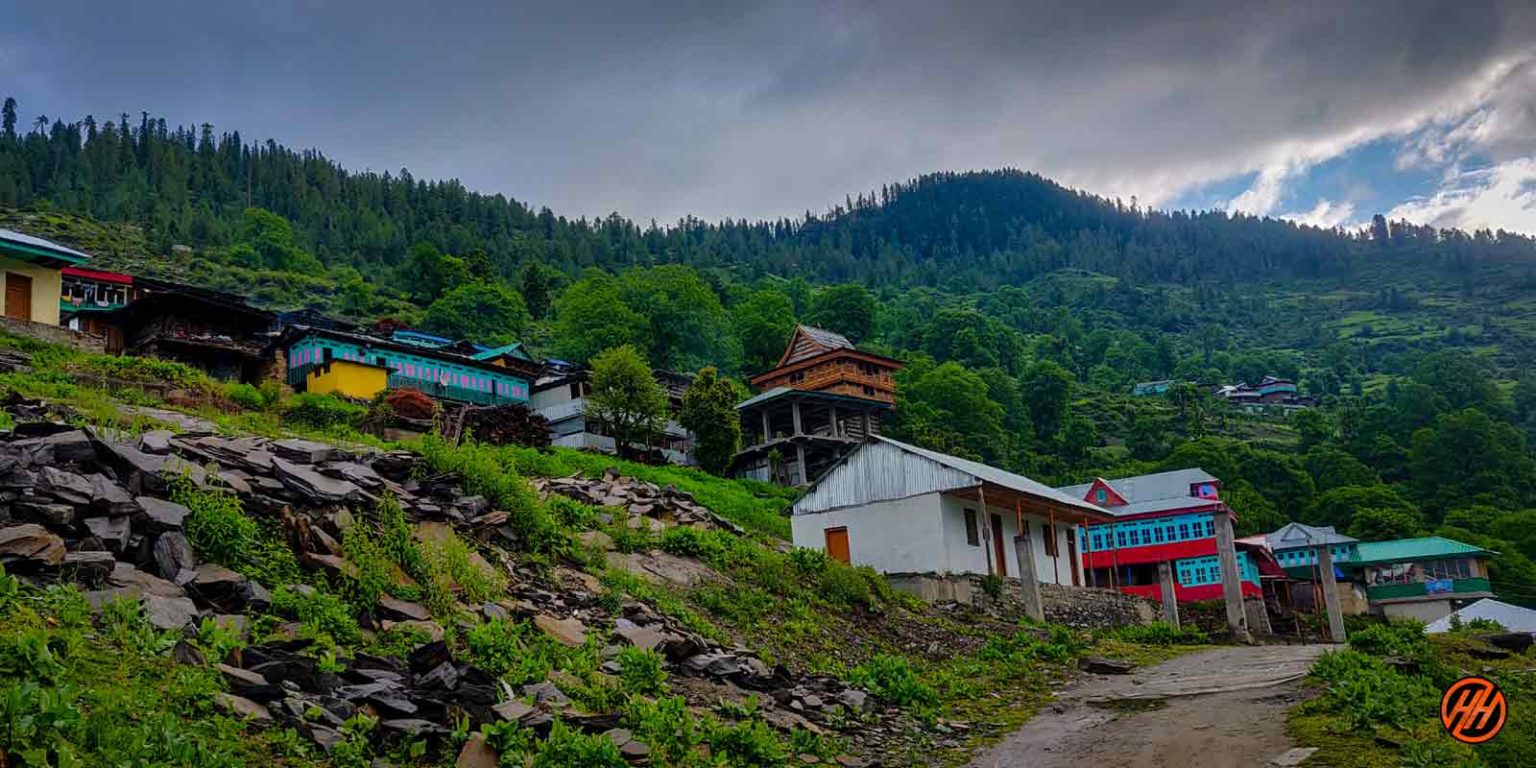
[(644, 501), (95, 507)]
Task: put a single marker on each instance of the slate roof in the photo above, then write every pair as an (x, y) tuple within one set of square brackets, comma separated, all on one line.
[(1422, 548), (824, 339), (1298, 535)]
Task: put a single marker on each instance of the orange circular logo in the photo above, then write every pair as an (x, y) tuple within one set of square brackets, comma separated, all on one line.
[(1473, 710)]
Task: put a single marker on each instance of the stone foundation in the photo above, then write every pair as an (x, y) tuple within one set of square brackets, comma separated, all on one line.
[(1082, 607), (54, 334)]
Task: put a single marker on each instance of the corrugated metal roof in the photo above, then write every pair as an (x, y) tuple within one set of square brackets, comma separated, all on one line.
[(33, 241), (1423, 548), (1149, 494), (1298, 535), (884, 469), (1512, 617)]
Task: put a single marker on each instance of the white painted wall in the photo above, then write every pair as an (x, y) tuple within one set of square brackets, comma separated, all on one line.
[(927, 533), (898, 536), (1425, 611)]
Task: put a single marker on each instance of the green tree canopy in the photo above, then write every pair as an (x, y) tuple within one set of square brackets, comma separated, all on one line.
[(490, 313), (429, 273), (709, 412), (1047, 394), (946, 408), (626, 402), (1338, 506), (763, 321), (1467, 457), (848, 309), (1379, 524)]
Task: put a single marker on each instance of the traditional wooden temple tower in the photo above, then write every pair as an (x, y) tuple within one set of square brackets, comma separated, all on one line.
[(821, 400)]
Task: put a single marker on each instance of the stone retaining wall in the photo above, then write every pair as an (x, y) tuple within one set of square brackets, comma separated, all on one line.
[(54, 334), (1083, 607)]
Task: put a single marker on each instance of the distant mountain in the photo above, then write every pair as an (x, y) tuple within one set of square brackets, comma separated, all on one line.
[(1268, 282)]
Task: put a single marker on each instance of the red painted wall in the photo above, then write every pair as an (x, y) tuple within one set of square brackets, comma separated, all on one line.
[(1155, 553), (1185, 594)]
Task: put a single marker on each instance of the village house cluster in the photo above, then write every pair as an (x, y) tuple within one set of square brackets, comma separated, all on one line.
[(938, 525)]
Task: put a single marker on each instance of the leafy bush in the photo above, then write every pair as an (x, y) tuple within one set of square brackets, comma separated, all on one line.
[(324, 411), (641, 673), (748, 743), (323, 615), (892, 679), (1160, 633), (217, 527), (567, 747), (1395, 638)]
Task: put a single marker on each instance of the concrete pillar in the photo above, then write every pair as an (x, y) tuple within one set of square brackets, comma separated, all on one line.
[(1029, 586), (837, 429), (866, 425), (1231, 579), (767, 428), (794, 412), (1330, 594), (1170, 600), (805, 475)]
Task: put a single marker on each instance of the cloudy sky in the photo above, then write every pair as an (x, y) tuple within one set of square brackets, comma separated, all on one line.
[(1326, 112)]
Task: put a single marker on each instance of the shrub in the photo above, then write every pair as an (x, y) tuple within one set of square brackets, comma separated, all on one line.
[(217, 527), (1395, 638), (1160, 633), (324, 411), (748, 743), (892, 678), (245, 396), (324, 615), (569, 748), (641, 673)]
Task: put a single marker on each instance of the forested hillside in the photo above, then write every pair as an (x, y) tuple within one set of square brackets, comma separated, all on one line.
[(1024, 311)]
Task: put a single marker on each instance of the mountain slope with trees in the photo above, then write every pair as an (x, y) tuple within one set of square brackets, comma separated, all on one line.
[(1024, 311)]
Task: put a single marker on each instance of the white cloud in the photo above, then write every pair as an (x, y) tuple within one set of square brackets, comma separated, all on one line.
[(1499, 197), (1326, 214), (1262, 198)]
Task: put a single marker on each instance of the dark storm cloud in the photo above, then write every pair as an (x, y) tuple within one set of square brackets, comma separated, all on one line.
[(749, 109)]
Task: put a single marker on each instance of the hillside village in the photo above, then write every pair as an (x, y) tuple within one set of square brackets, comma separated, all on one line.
[(431, 526)]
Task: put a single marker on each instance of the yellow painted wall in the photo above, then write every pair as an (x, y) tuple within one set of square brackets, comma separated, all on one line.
[(46, 289), (348, 379)]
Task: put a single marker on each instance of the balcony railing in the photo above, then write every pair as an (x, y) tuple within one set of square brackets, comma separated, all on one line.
[(450, 392), (1431, 587)]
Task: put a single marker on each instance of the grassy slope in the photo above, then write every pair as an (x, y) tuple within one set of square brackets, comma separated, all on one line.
[(795, 608)]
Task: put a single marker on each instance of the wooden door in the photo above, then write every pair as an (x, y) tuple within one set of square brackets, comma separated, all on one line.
[(1000, 555), (837, 544), (18, 296)]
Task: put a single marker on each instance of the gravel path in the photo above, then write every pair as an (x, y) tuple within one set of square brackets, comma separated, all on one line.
[(1212, 709)]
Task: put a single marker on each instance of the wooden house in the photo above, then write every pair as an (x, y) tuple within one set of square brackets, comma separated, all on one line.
[(822, 400), (88, 294), (216, 332), (818, 360)]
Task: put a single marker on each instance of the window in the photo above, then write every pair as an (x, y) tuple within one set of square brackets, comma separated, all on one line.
[(972, 535), (1210, 528), (1157, 534), (1100, 496), (1119, 538), (1050, 539)]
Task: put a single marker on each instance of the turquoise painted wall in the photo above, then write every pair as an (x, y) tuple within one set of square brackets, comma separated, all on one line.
[(412, 367)]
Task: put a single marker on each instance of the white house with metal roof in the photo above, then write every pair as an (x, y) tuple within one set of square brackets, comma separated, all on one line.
[(902, 509)]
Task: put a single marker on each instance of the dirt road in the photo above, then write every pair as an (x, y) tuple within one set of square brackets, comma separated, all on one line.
[(1212, 709)]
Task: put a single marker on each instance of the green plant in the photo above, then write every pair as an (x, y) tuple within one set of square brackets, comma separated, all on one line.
[(324, 412), (567, 747), (1395, 638), (1160, 633), (892, 679), (217, 526), (640, 672), (217, 641), (322, 614)]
